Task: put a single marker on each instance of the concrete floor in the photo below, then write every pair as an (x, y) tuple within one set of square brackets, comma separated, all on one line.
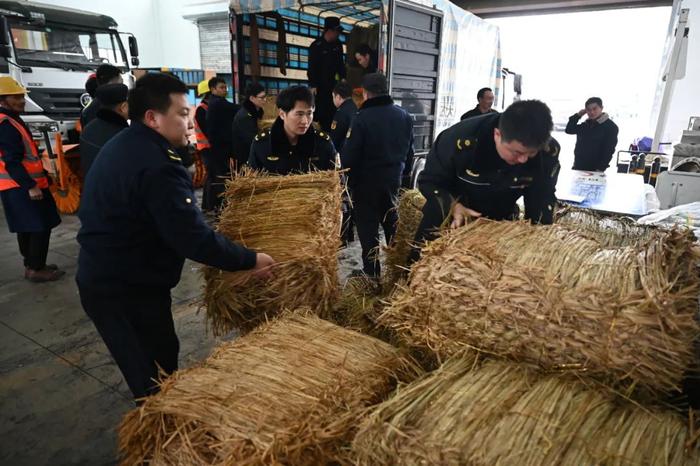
[(61, 395)]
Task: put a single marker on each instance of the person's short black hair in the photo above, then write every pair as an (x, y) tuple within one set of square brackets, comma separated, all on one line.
[(252, 89), (152, 92), (594, 100), (528, 122), (91, 85), (343, 89), (375, 84), (216, 80), (364, 49), (105, 73), (482, 91), (288, 98)]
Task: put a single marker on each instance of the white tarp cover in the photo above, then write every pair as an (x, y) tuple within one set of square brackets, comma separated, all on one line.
[(470, 59)]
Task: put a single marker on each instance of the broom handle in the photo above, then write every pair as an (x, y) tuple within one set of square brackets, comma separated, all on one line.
[(61, 157), (52, 155)]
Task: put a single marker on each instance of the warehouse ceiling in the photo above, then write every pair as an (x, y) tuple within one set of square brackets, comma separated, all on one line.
[(500, 8)]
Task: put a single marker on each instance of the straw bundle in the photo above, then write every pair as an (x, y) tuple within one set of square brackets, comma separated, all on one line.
[(608, 230), (508, 414), (290, 392), (296, 220), (552, 297), (410, 212), (358, 306)]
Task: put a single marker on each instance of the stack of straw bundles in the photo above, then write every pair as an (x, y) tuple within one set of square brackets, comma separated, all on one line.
[(552, 297), (410, 212), (296, 220), (290, 392), (508, 414)]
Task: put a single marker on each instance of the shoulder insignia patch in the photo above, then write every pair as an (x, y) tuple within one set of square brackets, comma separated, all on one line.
[(347, 136), (172, 155), (334, 124), (463, 143), (272, 158)]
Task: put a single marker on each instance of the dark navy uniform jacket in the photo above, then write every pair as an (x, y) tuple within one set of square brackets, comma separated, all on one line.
[(342, 120), (140, 219), (378, 149), (272, 152), (326, 63), (463, 165), (245, 128)]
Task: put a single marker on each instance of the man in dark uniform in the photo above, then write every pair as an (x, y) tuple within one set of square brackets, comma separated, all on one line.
[(326, 68), (596, 138), (379, 153), (485, 101), (139, 223), (245, 124), (485, 164), (220, 116), (110, 120), (292, 145), (29, 207), (105, 74), (344, 116)]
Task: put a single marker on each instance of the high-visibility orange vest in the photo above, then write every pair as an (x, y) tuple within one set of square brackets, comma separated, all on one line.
[(202, 141), (31, 161)]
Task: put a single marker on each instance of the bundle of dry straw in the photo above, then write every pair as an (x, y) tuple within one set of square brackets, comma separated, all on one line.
[(553, 297), (410, 210), (358, 306), (508, 414), (290, 392), (296, 220)]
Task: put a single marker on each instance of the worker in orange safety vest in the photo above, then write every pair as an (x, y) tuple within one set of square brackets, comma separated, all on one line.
[(28, 204)]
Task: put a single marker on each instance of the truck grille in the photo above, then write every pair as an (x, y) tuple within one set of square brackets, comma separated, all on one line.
[(58, 103)]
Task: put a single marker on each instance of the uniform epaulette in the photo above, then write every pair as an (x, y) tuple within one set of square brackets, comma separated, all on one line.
[(262, 135), (172, 155), (464, 143), (551, 149), (324, 135)]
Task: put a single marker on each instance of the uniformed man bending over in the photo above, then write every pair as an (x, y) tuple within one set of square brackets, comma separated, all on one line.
[(139, 223), (485, 164), (379, 153), (293, 145)]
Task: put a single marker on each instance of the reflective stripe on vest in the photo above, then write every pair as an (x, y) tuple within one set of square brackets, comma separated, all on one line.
[(31, 161), (202, 141)]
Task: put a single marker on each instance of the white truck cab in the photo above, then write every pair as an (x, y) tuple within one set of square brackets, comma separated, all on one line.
[(52, 51)]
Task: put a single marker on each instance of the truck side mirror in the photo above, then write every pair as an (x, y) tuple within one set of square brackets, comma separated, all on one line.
[(5, 45), (135, 61), (133, 47)]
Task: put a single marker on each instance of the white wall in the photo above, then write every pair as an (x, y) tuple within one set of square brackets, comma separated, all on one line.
[(165, 37), (685, 101)]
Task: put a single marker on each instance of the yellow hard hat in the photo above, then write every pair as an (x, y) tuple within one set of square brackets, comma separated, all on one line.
[(203, 87), (8, 86)]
